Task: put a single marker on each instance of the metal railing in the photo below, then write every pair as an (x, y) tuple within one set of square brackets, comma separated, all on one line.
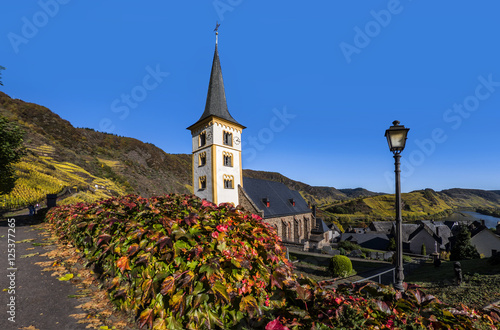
[(379, 275)]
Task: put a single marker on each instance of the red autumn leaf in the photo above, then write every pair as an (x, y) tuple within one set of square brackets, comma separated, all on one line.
[(123, 263), (165, 240), (276, 325), (104, 238), (132, 249), (206, 203)]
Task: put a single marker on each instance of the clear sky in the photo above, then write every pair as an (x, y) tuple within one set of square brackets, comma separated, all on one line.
[(317, 83)]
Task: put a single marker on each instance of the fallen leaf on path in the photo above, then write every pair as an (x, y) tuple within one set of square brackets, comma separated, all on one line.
[(30, 255), (25, 241), (66, 277)]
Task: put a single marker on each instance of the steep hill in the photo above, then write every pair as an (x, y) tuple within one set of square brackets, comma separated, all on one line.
[(318, 195), (65, 159), (417, 205)]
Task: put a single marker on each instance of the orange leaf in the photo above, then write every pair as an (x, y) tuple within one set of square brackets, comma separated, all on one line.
[(123, 263)]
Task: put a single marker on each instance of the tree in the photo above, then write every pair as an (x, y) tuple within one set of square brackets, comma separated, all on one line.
[(1, 68), (11, 151), (392, 244), (462, 249)]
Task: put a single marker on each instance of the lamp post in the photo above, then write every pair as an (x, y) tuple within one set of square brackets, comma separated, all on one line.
[(396, 138)]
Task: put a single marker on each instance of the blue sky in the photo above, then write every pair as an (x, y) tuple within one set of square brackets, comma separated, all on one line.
[(316, 83)]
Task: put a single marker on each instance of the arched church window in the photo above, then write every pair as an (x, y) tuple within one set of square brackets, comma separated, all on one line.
[(202, 182), (227, 138), (202, 139), (228, 158), (202, 158), (228, 181)]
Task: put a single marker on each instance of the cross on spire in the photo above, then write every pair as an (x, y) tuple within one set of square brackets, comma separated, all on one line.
[(217, 32)]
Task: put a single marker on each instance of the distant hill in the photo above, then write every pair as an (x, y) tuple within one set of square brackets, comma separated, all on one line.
[(318, 195), (83, 165)]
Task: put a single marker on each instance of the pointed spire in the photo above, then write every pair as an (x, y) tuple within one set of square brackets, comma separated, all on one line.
[(216, 104)]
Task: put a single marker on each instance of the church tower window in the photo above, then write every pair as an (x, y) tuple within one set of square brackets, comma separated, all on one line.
[(202, 159), (203, 139), (203, 182), (228, 158), (228, 181), (227, 138)]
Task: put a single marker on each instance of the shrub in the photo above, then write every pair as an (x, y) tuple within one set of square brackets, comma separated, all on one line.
[(407, 259), (349, 246), (392, 244), (462, 249), (494, 259), (177, 262), (340, 266)]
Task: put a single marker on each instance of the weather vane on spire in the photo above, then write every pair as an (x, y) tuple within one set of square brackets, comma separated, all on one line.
[(217, 32)]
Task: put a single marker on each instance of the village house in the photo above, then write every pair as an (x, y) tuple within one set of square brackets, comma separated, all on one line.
[(486, 241), (435, 235)]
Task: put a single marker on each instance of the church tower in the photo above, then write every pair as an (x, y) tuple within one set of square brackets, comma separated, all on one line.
[(216, 138)]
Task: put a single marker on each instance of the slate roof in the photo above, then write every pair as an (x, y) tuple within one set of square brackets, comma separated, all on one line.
[(408, 230), (367, 240), (321, 226), (439, 229), (279, 198), (216, 104), (382, 226)]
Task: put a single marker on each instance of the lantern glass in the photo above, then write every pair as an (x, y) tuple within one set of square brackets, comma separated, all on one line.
[(396, 137)]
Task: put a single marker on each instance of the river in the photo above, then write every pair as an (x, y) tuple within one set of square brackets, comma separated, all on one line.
[(489, 221)]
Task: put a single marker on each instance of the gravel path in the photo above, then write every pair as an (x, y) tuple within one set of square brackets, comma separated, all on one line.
[(42, 301)]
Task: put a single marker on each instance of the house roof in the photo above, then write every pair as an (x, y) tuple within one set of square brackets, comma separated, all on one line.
[(439, 229), (368, 240), (279, 197), (408, 230), (321, 226), (382, 226), (216, 104)]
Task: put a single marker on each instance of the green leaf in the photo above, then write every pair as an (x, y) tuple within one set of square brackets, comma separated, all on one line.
[(192, 264), (198, 288)]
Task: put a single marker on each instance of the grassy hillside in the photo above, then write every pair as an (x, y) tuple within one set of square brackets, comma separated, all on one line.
[(72, 161), (417, 205)]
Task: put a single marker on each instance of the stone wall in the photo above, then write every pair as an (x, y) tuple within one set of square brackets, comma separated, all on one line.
[(247, 203)]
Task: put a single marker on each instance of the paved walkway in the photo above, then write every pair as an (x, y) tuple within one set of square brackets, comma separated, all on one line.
[(41, 301)]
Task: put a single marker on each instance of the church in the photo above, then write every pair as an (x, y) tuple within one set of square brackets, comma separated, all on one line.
[(218, 172)]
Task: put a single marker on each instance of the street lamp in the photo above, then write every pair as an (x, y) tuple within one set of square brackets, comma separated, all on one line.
[(396, 138)]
